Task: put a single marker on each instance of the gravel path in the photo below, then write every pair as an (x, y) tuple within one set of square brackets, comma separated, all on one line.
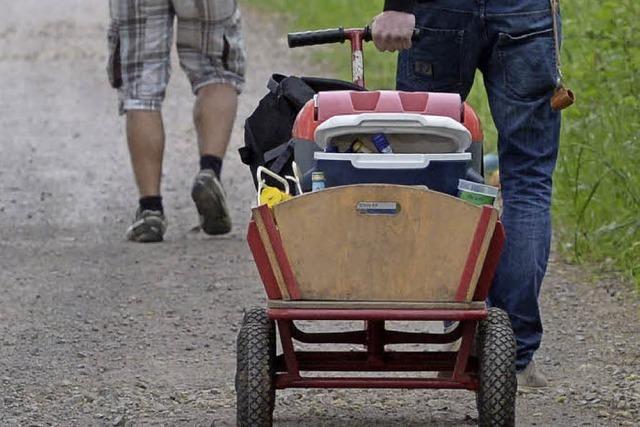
[(97, 331)]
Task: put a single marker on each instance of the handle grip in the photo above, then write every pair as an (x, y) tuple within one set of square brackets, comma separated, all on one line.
[(380, 161), (310, 38)]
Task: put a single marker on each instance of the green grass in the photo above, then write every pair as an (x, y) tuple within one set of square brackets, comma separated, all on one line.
[(597, 183), (597, 198)]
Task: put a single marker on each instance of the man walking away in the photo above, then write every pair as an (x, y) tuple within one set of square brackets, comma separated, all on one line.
[(211, 52)]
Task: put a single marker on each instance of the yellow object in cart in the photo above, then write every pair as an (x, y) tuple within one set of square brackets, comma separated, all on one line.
[(272, 196)]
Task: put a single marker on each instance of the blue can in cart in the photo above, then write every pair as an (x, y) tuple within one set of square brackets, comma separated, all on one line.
[(382, 143)]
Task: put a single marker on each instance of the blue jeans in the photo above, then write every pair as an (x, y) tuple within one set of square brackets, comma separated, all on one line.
[(511, 43)]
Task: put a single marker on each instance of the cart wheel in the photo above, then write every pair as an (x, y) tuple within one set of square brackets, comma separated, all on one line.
[(496, 397), (256, 351)]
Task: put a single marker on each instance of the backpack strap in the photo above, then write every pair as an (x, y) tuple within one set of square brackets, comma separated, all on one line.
[(279, 157), (293, 88), (274, 83), (246, 155), (297, 91)]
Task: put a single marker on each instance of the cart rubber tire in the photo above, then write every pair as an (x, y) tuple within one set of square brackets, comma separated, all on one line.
[(496, 397), (255, 389)]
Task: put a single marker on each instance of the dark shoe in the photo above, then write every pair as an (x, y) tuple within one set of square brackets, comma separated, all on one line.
[(530, 377), (148, 227), (209, 197)]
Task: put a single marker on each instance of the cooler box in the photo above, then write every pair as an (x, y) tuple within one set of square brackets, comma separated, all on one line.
[(438, 172), (407, 133)]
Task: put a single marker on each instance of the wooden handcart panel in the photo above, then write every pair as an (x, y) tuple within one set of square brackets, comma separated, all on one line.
[(419, 253)]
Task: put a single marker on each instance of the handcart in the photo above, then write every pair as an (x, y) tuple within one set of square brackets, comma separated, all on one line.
[(376, 252)]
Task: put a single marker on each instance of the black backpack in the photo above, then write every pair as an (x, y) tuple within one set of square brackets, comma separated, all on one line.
[(267, 132)]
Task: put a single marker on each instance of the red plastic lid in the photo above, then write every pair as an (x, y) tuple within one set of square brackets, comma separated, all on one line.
[(385, 101)]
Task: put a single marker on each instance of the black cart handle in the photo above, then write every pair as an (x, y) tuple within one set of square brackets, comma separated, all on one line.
[(310, 38), (333, 35), (339, 35)]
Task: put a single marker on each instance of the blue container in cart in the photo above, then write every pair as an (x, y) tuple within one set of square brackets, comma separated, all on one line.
[(438, 172)]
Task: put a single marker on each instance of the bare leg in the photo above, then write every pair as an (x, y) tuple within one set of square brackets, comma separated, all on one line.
[(213, 114), (145, 134)]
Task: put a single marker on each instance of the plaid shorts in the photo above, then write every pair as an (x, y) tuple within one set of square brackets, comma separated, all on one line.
[(209, 42)]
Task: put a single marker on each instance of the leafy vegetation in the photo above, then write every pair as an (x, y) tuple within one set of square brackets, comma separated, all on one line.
[(597, 183), (597, 198)]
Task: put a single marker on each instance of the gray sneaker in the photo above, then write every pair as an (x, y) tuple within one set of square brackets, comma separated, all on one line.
[(209, 197), (148, 227), (531, 377)]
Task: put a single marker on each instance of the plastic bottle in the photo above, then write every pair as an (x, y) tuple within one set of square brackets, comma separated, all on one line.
[(382, 143)]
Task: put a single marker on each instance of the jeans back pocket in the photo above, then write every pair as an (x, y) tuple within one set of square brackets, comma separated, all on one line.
[(529, 63)]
